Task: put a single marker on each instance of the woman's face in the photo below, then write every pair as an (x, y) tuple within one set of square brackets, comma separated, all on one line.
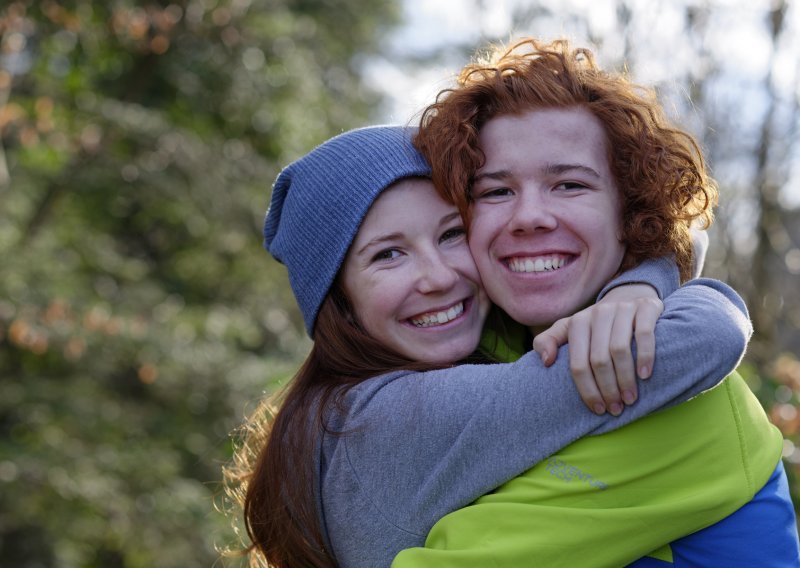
[(411, 279)]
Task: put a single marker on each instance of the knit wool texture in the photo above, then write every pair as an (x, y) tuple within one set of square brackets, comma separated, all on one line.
[(319, 201)]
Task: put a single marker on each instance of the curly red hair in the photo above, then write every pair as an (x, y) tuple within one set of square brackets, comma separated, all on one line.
[(658, 167)]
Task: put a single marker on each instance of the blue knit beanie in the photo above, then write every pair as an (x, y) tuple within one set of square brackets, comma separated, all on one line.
[(319, 201)]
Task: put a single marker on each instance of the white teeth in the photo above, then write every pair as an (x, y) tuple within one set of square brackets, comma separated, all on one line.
[(438, 318), (538, 265)]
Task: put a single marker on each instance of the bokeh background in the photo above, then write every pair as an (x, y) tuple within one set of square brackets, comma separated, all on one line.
[(140, 318)]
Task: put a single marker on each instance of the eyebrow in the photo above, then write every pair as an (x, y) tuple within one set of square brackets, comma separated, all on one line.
[(562, 168), (501, 175), (378, 240), (498, 175), (394, 236), (449, 217)]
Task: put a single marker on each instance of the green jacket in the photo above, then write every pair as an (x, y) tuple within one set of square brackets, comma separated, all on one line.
[(608, 500)]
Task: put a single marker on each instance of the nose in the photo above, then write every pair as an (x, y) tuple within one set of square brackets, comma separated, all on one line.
[(533, 212), (435, 274)]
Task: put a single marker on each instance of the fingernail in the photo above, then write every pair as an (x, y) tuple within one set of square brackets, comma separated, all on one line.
[(628, 397), (644, 373), (599, 408), (615, 408)]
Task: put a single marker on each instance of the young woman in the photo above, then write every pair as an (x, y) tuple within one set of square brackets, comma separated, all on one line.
[(370, 447)]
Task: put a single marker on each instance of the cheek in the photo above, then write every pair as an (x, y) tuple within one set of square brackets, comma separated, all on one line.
[(601, 222), (480, 269), (604, 237), (480, 227), (488, 227), (360, 310), (375, 316), (463, 263), (388, 298), (615, 212), (479, 243), (368, 298), (611, 234), (608, 252)]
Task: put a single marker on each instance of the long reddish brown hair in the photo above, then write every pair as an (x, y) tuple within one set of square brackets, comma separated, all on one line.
[(272, 473), (658, 167)]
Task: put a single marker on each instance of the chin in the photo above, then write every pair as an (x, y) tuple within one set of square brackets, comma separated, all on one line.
[(445, 356), (539, 320), (543, 316)]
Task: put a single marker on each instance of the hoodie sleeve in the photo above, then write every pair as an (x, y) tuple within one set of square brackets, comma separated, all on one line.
[(420, 445)]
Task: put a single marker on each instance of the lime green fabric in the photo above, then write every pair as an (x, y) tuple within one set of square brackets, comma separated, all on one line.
[(608, 500), (506, 346)]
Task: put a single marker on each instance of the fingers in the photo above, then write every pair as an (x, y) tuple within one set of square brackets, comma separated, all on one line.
[(601, 324), (580, 338), (647, 313), (620, 351), (547, 347), (601, 358), (546, 343)]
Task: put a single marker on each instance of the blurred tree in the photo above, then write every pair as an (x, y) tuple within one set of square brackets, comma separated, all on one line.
[(138, 141)]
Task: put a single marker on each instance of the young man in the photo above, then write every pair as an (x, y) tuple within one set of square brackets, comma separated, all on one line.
[(569, 174)]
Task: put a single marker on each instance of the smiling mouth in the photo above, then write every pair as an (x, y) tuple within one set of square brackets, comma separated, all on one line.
[(441, 317), (538, 264)]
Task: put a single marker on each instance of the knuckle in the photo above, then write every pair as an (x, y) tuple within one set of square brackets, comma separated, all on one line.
[(604, 310), (580, 317), (619, 349), (645, 335), (653, 303), (600, 362), (578, 369)]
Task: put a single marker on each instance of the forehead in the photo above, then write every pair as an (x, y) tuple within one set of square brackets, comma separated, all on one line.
[(545, 135), (409, 204)]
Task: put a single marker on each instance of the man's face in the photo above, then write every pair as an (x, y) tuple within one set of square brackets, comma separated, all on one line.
[(546, 217)]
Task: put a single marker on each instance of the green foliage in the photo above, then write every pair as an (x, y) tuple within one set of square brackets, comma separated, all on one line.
[(777, 386), (139, 315)]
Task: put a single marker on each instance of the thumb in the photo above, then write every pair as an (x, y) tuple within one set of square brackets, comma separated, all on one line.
[(546, 343)]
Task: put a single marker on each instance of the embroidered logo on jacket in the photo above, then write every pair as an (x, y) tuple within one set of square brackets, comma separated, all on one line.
[(569, 473)]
